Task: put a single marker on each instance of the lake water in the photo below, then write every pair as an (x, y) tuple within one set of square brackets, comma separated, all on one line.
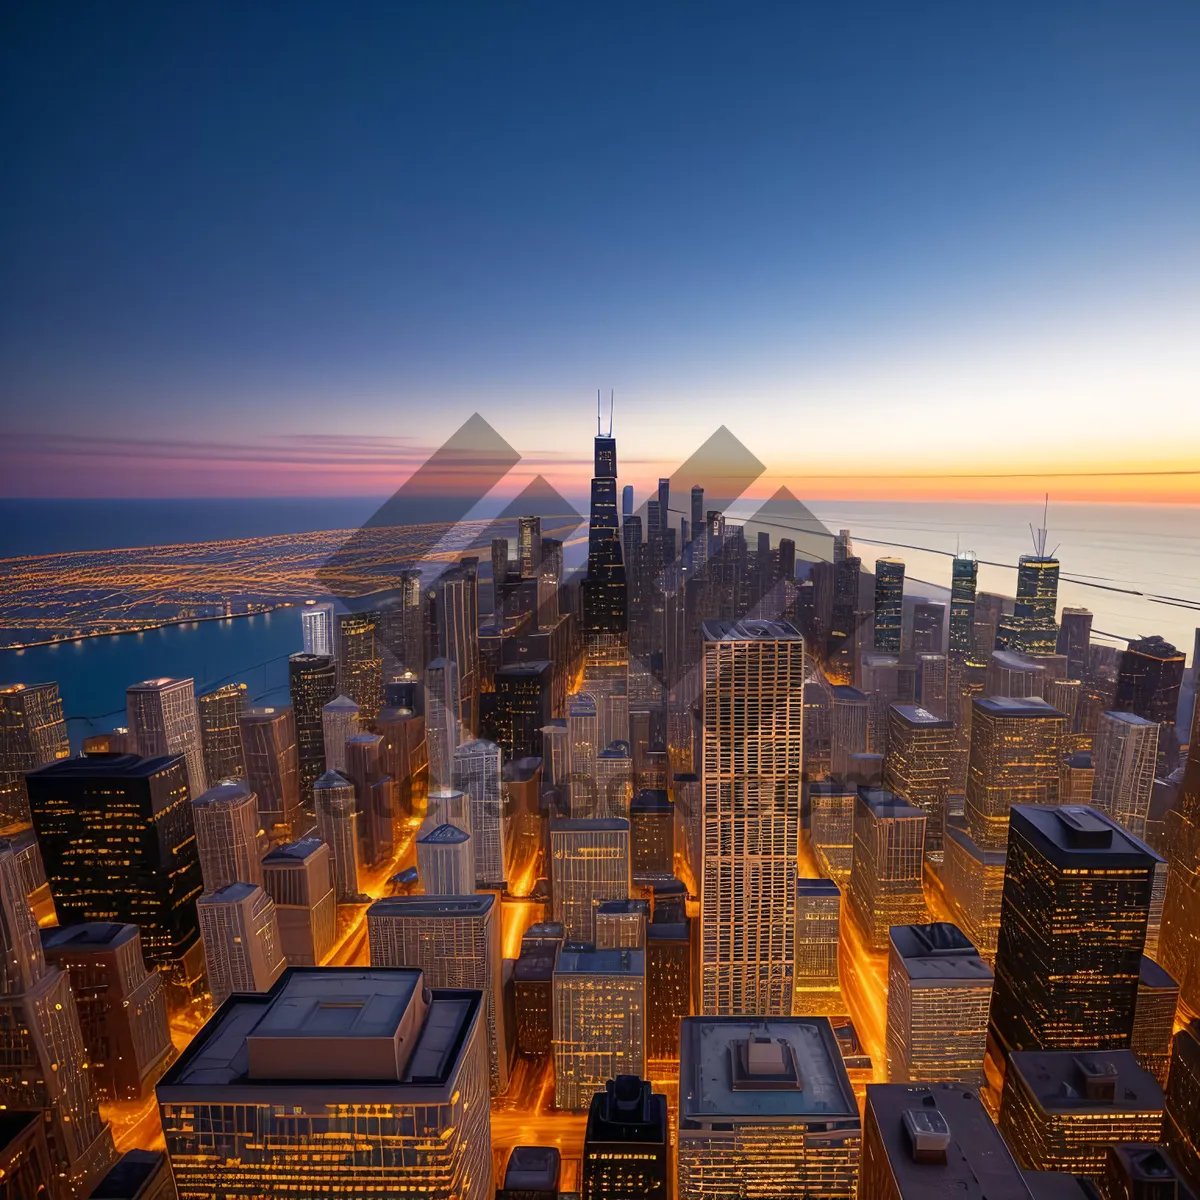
[(1136, 567)]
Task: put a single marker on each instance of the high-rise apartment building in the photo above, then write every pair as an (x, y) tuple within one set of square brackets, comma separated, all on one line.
[(938, 998), (44, 1063), (589, 863), (1016, 746), (32, 734), (885, 875), (242, 949), (937, 1139), (122, 1006), (831, 826), (1061, 1110), (1124, 751), (765, 1109), (1031, 626), (753, 714), (625, 1144), (916, 767), (445, 862), (220, 732), (359, 661), (455, 941), (477, 776), (964, 574), (273, 768), (317, 630), (161, 714), (370, 1057), (82, 806), (889, 604), (299, 878), (227, 829), (337, 827), (312, 683), (1072, 930), (339, 723), (599, 1022), (818, 928)]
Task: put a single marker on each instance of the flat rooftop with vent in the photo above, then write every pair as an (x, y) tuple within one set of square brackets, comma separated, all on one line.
[(332, 1034)]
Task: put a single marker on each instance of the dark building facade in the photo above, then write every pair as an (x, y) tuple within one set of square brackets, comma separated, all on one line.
[(1073, 917), (82, 806), (625, 1146), (889, 604), (652, 833), (522, 707), (1149, 676), (312, 684), (1181, 1126), (668, 986)]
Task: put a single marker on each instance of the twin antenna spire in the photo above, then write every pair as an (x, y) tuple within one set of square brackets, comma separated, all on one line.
[(611, 406), (1041, 534)]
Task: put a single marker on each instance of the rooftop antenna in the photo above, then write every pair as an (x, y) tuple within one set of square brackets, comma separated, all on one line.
[(597, 412), (612, 403), (1041, 534)]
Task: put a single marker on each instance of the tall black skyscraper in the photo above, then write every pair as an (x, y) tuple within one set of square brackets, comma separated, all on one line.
[(889, 604), (963, 576), (1077, 892), (604, 601), (697, 510), (116, 835), (625, 1147), (312, 682), (1149, 677)]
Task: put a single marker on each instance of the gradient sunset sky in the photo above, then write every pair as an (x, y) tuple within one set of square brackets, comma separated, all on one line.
[(919, 250)]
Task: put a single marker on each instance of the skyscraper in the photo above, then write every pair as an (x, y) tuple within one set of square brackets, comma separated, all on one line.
[(456, 613), (885, 875), (83, 805), (524, 693), (43, 1067), (1072, 929), (242, 950), (529, 545), (1149, 676), (889, 604), (599, 1015), (668, 982), (122, 1006), (1074, 638), (1031, 626), (589, 863), (849, 719), (339, 721), (625, 1143), (818, 928), (938, 998), (299, 878), (963, 575), (32, 734), (273, 768), (1061, 1110), (917, 766), (1016, 746), (831, 829), (375, 793), (227, 828), (1180, 940), (312, 683), (337, 826), (583, 740), (477, 775), (928, 623), (1124, 752), (445, 861), (1181, 1126), (752, 767), (220, 732), (359, 661), (605, 622), (697, 509), (161, 714), (765, 1109), (455, 940), (317, 629), (370, 1055), (443, 723), (1154, 1019)]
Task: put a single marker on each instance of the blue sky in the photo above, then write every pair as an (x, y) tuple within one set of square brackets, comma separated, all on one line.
[(922, 233)]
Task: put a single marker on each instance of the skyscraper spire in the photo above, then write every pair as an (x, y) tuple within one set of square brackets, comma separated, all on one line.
[(612, 404), (597, 412)]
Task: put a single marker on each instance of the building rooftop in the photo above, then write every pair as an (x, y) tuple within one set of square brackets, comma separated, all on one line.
[(939, 955), (1076, 833), (793, 1069), (433, 906), (956, 831), (341, 704), (651, 800), (832, 787), (332, 779), (1129, 718), (582, 825), (128, 1174), (628, 1110), (264, 713), (920, 718), (533, 1168), (536, 963), (667, 931), (157, 685), (293, 852), (231, 893), (843, 691), (525, 667), (1151, 976), (328, 1035), (1016, 706), (1078, 1081), (444, 835), (226, 791), (817, 887), (749, 630), (625, 908), (107, 766), (940, 1141), (887, 804), (92, 935), (599, 962)]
